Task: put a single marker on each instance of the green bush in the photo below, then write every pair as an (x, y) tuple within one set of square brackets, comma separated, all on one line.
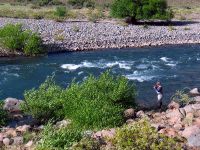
[(143, 9), (181, 97), (141, 136), (3, 115), (96, 102), (82, 3), (61, 11), (45, 103), (14, 38)]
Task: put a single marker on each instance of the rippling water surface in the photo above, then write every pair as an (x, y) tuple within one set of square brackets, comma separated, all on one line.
[(176, 67)]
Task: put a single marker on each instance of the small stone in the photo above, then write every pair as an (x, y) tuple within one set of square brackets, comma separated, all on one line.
[(129, 113), (63, 123), (23, 128), (6, 141), (140, 114), (29, 144), (129, 121)]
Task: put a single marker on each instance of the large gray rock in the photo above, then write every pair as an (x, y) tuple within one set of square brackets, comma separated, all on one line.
[(192, 134), (194, 92), (12, 104)]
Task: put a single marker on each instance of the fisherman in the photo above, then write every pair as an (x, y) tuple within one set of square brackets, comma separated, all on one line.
[(159, 90)]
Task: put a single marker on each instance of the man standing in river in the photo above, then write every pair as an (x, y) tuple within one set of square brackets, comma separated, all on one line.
[(159, 90)]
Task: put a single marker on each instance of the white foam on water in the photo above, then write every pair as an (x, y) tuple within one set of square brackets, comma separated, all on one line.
[(124, 66), (142, 66), (70, 66), (15, 74), (165, 59), (81, 72), (141, 78), (85, 64), (171, 64), (111, 64)]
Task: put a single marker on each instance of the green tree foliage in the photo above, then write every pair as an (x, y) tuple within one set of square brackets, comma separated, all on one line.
[(141, 9), (14, 38)]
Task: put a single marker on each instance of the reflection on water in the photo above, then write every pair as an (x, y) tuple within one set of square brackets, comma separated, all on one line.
[(175, 66)]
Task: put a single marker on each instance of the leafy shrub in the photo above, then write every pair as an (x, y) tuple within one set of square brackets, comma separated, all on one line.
[(3, 115), (141, 136), (97, 102), (13, 37), (61, 11), (143, 9), (82, 3), (181, 97), (45, 103)]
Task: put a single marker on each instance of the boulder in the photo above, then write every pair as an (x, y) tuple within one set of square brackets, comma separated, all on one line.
[(173, 105), (192, 134), (129, 113), (63, 123), (194, 92), (12, 104), (174, 116), (11, 132), (6, 141), (196, 99), (18, 140)]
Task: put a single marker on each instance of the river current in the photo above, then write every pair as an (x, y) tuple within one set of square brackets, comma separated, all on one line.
[(176, 67)]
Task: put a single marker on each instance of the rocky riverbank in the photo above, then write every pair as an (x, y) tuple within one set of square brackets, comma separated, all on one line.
[(83, 35), (176, 121)]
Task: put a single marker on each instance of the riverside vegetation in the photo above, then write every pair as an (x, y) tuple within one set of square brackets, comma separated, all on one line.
[(90, 106), (14, 38)]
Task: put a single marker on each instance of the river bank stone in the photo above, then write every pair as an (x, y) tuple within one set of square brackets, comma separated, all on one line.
[(12, 104)]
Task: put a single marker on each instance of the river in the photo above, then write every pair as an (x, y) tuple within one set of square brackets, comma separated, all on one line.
[(176, 67)]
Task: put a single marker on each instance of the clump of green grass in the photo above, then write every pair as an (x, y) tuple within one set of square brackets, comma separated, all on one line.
[(3, 115), (186, 28), (14, 38)]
